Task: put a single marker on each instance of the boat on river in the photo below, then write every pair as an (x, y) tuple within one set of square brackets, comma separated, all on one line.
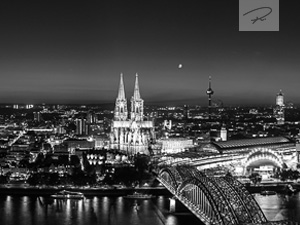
[(64, 194), (266, 192), (137, 195)]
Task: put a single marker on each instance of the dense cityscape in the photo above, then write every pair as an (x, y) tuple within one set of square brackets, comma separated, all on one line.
[(156, 112), (115, 147), (85, 145)]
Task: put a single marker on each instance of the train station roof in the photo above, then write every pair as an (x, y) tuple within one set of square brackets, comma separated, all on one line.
[(247, 143)]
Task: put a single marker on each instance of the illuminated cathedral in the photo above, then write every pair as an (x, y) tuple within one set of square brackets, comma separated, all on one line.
[(129, 131)]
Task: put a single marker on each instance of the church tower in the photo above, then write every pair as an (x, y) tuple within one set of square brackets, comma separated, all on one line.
[(121, 112), (279, 108), (280, 99), (137, 104)]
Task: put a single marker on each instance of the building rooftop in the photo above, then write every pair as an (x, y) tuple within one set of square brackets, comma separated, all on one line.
[(250, 142), (189, 154)]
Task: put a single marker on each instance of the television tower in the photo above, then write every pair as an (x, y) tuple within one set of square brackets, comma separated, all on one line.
[(209, 92)]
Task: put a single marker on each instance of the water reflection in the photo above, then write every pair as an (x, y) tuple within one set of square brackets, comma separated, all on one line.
[(96, 210), (23, 210), (279, 207)]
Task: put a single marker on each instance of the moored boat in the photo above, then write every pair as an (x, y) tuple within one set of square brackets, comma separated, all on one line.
[(68, 195), (266, 192), (137, 195)]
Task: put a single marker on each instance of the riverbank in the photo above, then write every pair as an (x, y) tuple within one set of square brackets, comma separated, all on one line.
[(280, 188), (86, 191)]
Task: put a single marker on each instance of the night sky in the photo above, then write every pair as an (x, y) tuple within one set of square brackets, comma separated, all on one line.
[(64, 51)]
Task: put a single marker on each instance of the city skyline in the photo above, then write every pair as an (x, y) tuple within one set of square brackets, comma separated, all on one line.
[(74, 53)]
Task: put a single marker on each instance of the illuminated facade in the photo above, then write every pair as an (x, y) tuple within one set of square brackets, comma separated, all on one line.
[(175, 145), (223, 134), (279, 108), (81, 126), (129, 131), (280, 99), (240, 156)]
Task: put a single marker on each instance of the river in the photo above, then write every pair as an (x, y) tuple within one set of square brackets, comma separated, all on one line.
[(25, 210)]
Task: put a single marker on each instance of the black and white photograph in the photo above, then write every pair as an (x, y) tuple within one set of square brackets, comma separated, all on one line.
[(149, 112)]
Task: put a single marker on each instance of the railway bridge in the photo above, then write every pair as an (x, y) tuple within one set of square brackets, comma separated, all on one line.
[(214, 200)]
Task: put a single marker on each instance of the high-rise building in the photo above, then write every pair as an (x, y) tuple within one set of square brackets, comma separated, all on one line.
[(81, 126), (37, 116), (223, 134), (186, 112), (91, 118), (279, 108), (130, 133), (298, 146), (29, 106), (280, 99)]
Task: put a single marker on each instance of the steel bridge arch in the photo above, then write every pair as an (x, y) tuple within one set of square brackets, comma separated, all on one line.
[(245, 206), (263, 153), (247, 210), (223, 211), (172, 175), (243, 213), (229, 193), (178, 174), (187, 172), (252, 206), (218, 201), (207, 209)]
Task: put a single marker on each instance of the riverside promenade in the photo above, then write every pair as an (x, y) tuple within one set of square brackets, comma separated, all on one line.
[(87, 191), (116, 190)]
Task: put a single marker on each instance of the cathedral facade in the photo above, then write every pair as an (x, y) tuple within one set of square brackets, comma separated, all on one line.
[(129, 131)]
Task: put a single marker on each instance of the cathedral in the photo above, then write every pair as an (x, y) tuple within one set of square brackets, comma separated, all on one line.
[(129, 131)]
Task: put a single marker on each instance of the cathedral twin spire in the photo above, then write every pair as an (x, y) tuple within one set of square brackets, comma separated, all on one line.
[(136, 93), (121, 93), (121, 112), (137, 104)]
